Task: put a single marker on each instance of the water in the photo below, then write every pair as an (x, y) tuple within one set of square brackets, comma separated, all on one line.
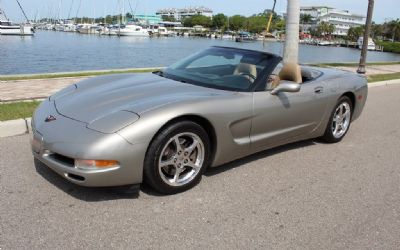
[(49, 51)]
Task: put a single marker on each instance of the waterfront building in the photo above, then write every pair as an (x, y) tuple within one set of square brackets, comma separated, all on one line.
[(180, 14), (148, 19), (342, 19)]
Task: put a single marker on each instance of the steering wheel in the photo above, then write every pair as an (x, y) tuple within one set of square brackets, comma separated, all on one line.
[(249, 75)]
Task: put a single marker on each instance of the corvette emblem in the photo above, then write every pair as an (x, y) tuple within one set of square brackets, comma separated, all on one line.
[(50, 118)]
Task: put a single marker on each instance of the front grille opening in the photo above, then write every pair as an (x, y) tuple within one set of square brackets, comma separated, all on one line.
[(63, 159), (76, 177)]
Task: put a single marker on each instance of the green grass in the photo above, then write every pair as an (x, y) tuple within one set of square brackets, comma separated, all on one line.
[(383, 77), (17, 110), (74, 74), (353, 64)]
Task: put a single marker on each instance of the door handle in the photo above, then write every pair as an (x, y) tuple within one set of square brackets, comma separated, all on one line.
[(319, 90)]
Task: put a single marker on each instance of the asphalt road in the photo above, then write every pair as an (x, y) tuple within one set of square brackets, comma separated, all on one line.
[(307, 195)]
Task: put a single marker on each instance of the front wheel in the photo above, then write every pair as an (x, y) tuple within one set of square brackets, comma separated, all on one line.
[(339, 122), (177, 157)]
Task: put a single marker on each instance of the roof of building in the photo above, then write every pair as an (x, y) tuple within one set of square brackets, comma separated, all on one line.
[(185, 10)]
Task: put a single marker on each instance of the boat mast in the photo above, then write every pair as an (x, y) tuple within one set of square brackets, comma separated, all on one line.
[(70, 9), (23, 12), (77, 11)]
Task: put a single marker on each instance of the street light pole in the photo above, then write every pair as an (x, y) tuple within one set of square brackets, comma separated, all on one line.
[(363, 59)]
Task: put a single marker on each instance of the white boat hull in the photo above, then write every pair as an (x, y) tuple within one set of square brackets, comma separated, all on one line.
[(16, 30), (132, 33), (133, 30)]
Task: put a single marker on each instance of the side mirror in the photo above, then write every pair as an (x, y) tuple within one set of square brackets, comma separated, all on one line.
[(290, 87)]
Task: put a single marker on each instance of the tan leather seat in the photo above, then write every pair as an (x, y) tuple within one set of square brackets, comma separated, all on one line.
[(291, 72), (246, 69)]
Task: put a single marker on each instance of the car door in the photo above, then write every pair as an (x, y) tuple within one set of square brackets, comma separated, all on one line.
[(277, 118)]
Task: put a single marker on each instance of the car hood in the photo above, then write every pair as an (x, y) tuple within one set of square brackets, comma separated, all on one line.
[(100, 97)]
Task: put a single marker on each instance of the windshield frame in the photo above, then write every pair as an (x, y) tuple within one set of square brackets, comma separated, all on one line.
[(258, 85)]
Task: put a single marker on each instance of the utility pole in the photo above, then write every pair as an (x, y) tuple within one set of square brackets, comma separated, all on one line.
[(363, 59), (291, 52)]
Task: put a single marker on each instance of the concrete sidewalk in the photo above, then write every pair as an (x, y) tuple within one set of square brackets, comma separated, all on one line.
[(375, 69), (33, 89)]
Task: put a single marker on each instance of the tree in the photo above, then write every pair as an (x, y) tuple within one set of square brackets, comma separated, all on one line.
[(315, 32), (197, 20), (291, 52), (326, 29), (257, 24), (279, 25), (237, 22), (306, 18), (364, 50), (168, 19), (354, 33), (219, 21), (394, 27), (377, 30)]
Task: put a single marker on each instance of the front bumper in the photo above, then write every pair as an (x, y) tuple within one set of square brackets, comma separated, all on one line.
[(58, 143)]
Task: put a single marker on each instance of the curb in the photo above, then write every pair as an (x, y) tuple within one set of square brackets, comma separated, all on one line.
[(23, 126), (15, 127), (383, 83)]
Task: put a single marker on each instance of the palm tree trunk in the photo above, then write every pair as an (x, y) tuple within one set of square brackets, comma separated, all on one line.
[(364, 51), (291, 52)]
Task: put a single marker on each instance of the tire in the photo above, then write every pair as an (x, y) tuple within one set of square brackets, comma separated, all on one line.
[(177, 157), (339, 121)]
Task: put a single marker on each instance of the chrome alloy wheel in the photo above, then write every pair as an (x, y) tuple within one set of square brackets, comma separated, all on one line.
[(341, 120), (181, 159)]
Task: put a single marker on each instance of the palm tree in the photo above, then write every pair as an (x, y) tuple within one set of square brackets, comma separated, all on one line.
[(394, 27), (291, 52), (363, 58), (326, 29), (305, 18)]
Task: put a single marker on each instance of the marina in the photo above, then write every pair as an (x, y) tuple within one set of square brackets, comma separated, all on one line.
[(50, 51)]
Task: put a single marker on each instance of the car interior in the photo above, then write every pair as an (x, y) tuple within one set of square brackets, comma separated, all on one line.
[(238, 70), (292, 72)]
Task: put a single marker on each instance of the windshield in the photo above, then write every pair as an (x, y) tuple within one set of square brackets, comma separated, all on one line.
[(222, 68)]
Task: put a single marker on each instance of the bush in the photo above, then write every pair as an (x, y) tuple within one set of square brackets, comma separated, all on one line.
[(390, 46)]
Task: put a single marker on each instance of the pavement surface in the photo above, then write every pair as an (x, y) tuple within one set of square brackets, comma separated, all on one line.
[(42, 88), (376, 69), (33, 89), (307, 195)]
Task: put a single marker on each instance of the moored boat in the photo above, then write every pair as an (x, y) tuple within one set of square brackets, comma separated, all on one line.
[(371, 43), (9, 28), (132, 30)]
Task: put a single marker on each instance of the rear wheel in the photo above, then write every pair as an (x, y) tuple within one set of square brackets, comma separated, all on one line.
[(177, 157), (340, 120)]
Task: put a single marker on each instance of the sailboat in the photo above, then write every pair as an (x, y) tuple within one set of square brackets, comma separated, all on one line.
[(130, 29), (9, 28)]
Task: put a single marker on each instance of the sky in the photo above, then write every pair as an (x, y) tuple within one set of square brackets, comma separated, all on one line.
[(384, 9)]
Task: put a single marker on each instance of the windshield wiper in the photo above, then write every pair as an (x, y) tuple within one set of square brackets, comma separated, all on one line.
[(159, 73)]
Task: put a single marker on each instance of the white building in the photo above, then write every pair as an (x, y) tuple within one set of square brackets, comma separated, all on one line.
[(342, 19), (180, 14)]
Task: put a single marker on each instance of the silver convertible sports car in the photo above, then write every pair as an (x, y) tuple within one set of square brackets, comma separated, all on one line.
[(165, 128)]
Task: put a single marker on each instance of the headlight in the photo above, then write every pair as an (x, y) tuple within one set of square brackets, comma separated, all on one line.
[(96, 164), (113, 122)]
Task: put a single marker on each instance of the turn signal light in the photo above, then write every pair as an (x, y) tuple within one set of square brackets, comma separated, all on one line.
[(96, 164)]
